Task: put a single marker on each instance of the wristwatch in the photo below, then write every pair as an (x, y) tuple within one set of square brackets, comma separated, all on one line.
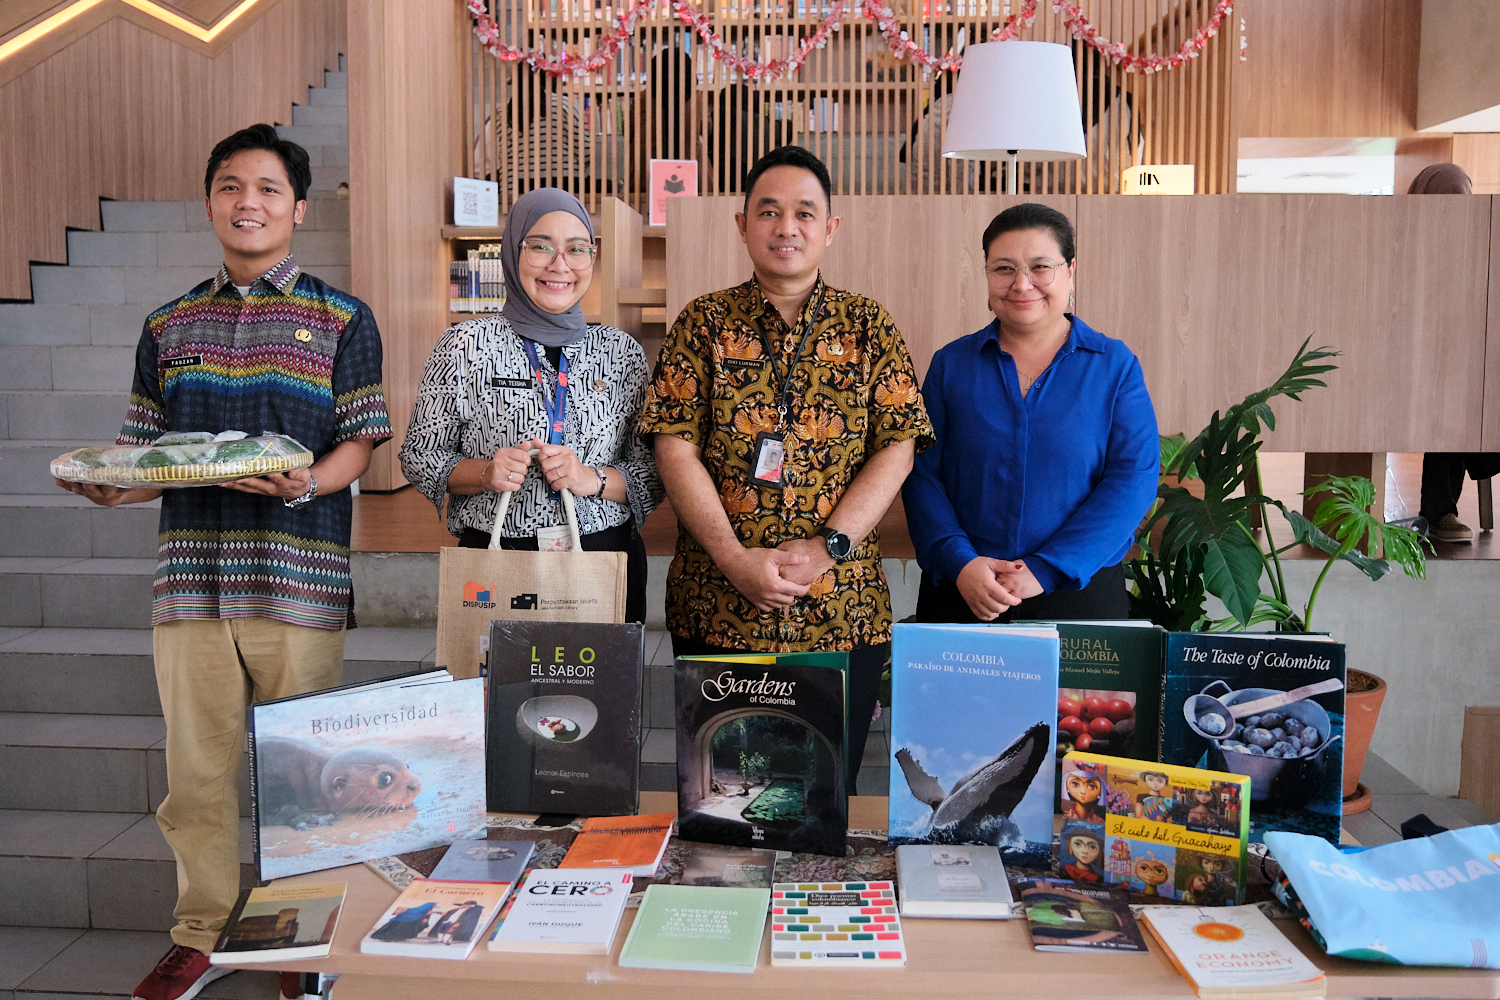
[(838, 543), (306, 498)]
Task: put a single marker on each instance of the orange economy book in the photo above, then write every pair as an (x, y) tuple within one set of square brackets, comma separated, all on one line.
[(632, 843)]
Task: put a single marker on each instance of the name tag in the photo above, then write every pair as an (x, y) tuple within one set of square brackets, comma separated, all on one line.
[(742, 363), (497, 382), (186, 361)]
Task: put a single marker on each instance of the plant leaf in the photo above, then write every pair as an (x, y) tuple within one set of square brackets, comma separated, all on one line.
[(1310, 534), (1232, 568)]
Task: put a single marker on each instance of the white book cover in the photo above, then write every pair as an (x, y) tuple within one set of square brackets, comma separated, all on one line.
[(566, 910), (953, 880), (436, 919), (1230, 948)]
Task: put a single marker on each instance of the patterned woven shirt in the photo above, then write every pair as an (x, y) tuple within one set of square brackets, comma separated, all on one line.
[(297, 357), (853, 392)]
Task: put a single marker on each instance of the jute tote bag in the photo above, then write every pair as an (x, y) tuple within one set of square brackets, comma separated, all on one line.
[(477, 586)]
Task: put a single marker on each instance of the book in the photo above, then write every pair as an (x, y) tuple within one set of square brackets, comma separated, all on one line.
[(744, 867), (761, 744), (281, 923), (1212, 717), (564, 726), (1067, 917), (836, 924), (365, 771), (1176, 832), (1233, 952), (433, 919), (484, 861), (953, 880), (971, 730), (697, 928), (627, 843), (573, 911)]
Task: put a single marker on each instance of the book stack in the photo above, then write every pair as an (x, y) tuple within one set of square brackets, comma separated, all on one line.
[(477, 284)]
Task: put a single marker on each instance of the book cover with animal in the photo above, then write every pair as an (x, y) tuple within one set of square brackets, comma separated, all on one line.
[(436, 919), (281, 923), (564, 717), (1067, 917), (1270, 706), (760, 751), (1157, 829), (365, 771), (972, 738)]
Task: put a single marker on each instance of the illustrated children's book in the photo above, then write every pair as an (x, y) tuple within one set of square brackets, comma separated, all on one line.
[(1266, 705), (1064, 916), (1175, 832), (365, 771), (1233, 952), (484, 861), (628, 843), (697, 928), (953, 880), (854, 925), (573, 911), (281, 923), (432, 919), (760, 751), (971, 729), (564, 717)]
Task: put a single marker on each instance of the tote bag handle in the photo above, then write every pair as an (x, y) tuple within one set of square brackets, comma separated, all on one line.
[(568, 509)]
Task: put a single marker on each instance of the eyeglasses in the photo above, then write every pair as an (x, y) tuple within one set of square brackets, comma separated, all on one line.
[(1040, 275), (578, 256)]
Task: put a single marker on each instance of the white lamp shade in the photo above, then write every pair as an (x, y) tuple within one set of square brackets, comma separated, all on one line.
[(1016, 97)]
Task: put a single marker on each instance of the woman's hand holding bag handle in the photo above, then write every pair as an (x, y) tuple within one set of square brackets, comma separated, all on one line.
[(568, 509)]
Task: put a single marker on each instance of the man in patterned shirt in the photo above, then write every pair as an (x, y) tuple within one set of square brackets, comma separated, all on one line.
[(786, 416), (252, 588)]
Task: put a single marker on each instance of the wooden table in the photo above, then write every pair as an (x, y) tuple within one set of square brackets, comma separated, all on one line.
[(946, 960)]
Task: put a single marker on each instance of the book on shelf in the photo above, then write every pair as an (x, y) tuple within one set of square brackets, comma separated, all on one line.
[(433, 919), (365, 771), (971, 727), (761, 744), (1233, 952), (965, 881), (476, 283), (741, 867), (1064, 916), (697, 928), (573, 911), (853, 925), (1266, 705), (281, 923), (625, 843), (484, 861), (1176, 832), (565, 717)]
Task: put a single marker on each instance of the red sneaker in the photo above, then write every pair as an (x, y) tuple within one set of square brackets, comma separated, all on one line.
[(180, 974)]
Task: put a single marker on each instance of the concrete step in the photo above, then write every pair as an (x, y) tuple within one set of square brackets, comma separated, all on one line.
[(315, 135), (100, 324), (24, 469), (144, 216), (327, 179), (82, 763), (63, 416), (154, 286), (322, 114), (336, 81), (53, 963), (327, 97), (41, 369), (65, 525), (75, 593)]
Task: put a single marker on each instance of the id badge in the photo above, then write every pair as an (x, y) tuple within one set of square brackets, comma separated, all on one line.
[(770, 453), (554, 539)]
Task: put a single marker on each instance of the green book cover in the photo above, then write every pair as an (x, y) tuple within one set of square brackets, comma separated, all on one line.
[(697, 928)]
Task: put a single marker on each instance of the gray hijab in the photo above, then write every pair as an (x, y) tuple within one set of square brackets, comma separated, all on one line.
[(549, 329)]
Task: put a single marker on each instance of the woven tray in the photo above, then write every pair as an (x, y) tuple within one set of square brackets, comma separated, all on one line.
[(284, 455)]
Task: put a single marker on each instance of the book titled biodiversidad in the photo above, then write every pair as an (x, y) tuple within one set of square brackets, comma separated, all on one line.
[(972, 737), (565, 717)]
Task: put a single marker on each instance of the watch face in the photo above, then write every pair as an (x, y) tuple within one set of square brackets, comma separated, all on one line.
[(837, 542)]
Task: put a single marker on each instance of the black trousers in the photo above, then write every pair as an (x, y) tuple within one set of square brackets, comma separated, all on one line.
[(866, 664), (1104, 597), (1443, 479), (621, 538)]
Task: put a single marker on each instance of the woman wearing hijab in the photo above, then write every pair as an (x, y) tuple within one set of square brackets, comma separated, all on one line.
[(537, 376)]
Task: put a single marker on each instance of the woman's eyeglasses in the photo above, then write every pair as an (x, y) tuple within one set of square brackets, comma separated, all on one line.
[(1040, 275), (578, 256)]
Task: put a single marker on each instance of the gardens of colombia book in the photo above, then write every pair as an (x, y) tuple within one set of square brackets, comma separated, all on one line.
[(972, 738), (565, 717), (366, 770), (761, 742)]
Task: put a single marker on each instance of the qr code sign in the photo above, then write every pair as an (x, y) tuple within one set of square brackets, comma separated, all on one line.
[(471, 203)]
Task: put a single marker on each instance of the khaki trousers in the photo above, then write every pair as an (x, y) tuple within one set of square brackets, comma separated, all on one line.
[(207, 670)]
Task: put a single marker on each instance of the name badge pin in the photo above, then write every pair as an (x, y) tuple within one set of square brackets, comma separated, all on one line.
[(303, 335)]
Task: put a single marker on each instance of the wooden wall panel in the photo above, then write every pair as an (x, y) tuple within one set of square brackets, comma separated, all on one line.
[(1490, 436), (124, 113), (1479, 155)]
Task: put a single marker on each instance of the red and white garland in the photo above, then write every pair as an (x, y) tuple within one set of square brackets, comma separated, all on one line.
[(565, 63)]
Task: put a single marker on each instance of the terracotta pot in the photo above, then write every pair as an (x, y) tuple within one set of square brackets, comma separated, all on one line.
[(1361, 710)]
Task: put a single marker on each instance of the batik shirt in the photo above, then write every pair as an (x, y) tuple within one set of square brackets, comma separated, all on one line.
[(854, 392), (297, 357)]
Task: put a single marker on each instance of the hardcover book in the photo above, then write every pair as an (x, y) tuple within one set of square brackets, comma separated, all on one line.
[(697, 928), (1233, 952), (953, 880), (564, 717), (573, 911), (971, 729), (432, 919), (761, 749), (365, 771), (1175, 832), (281, 923), (1270, 706), (628, 843), (1067, 917), (852, 925), (484, 861)]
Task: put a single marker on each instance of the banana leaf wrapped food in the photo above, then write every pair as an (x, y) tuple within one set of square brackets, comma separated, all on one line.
[(191, 458)]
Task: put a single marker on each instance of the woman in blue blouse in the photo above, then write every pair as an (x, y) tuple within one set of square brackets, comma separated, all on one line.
[(1047, 453)]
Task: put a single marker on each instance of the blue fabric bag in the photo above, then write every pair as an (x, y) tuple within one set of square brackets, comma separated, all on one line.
[(1432, 901)]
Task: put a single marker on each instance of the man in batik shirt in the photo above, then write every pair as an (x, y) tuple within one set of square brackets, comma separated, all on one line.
[(786, 415)]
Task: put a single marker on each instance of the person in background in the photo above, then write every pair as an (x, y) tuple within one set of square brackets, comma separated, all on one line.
[(785, 416), (253, 592), (1047, 453), (538, 377)]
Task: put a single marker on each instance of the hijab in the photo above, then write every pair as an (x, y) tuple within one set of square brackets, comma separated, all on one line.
[(1441, 178), (548, 329)]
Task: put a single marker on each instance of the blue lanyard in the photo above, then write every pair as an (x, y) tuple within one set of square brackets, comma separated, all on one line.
[(556, 407)]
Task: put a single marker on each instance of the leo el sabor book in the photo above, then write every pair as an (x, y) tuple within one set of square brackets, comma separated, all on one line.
[(365, 771), (760, 751), (564, 717), (1267, 705)]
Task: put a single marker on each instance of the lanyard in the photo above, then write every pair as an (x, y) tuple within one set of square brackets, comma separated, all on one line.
[(556, 407), (784, 388)]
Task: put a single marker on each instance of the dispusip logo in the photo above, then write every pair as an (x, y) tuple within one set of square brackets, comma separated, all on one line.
[(1433, 879), (477, 595)]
